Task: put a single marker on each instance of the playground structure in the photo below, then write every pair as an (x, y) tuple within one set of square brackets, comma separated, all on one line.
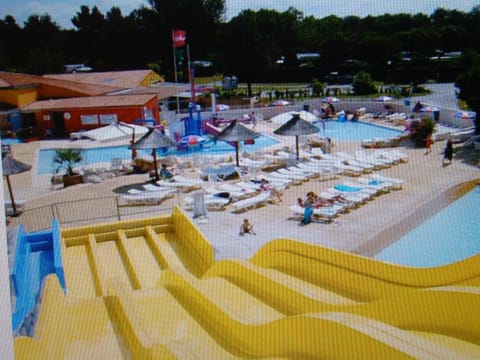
[(151, 288)]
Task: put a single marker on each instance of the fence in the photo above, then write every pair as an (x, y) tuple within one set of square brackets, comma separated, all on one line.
[(87, 211)]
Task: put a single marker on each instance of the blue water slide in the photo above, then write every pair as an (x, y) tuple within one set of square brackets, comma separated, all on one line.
[(37, 255)]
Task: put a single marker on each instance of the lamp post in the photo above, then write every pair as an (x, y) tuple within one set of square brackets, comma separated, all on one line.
[(134, 151)]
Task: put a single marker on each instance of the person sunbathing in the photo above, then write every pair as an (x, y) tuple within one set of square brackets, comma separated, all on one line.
[(246, 228), (266, 186)]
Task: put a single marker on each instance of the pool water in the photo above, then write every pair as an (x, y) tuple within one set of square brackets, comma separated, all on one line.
[(90, 156), (355, 131), (451, 235)]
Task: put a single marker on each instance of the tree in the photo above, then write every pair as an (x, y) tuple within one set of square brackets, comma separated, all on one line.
[(363, 84), (90, 36), (467, 82), (67, 158), (44, 41)]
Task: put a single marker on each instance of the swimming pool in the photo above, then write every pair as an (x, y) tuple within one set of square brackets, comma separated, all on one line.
[(46, 165), (451, 235), (355, 131)]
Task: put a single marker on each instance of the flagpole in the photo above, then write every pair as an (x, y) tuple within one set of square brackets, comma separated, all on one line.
[(175, 69), (191, 76)]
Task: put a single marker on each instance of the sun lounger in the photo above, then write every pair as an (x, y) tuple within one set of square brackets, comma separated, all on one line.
[(356, 187), (319, 213), (238, 190), (396, 183), (147, 197), (380, 185), (181, 183), (291, 179), (253, 202), (211, 201), (296, 174)]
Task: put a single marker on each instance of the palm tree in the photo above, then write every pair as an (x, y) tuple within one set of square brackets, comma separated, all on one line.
[(66, 158)]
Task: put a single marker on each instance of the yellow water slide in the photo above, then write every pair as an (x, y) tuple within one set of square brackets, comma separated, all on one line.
[(151, 288)]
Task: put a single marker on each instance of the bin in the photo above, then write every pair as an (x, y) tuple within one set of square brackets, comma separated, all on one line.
[(306, 107), (406, 102), (436, 116)]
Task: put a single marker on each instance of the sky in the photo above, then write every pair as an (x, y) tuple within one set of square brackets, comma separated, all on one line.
[(62, 11)]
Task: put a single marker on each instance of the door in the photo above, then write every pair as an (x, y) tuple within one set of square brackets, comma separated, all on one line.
[(59, 130)]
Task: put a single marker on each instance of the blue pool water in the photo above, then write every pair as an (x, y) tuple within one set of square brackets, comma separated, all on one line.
[(46, 164), (451, 235), (355, 131)]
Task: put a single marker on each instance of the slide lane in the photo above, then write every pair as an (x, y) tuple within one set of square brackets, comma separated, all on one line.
[(274, 254), (291, 297), (321, 333)]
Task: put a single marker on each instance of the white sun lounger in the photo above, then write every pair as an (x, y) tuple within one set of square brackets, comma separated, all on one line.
[(253, 202), (380, 185), (397, 183), (211, 201), (181, 183), (147, 197), (322, 212), (237, 189)]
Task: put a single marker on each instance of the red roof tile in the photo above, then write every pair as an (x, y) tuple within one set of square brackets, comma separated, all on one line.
[(123, 79), (90, 102), (16, 80)]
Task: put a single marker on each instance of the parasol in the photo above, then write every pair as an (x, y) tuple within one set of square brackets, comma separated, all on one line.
[(153, 140), (236, 132), (296, 126), (11, 167)]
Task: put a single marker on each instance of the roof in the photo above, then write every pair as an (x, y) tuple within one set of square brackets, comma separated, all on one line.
[(122, 79), (11, 80), (90, 102), (163, 90)]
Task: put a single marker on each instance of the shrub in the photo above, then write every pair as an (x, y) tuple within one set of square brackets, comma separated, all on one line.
[(420, 130), (363, 84)]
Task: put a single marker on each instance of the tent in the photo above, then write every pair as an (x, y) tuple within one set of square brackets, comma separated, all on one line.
[(116, 131)]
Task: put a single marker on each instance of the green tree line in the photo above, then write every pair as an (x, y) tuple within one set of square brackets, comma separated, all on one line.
[(254, 45)]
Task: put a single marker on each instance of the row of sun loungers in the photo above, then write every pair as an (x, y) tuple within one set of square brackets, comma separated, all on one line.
[(348, 195)]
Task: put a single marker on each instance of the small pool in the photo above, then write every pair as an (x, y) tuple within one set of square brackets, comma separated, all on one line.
[(46, 164), (451, 235), (355, 131)]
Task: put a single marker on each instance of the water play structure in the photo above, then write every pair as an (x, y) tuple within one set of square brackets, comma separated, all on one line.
[(151, 288)]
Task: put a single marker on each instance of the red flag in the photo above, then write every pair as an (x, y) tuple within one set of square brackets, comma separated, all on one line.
[(179, 38)]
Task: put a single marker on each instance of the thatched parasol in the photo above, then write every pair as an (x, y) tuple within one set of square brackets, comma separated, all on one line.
[(296, 126), (153, 140), (236, 132), (11, 167)]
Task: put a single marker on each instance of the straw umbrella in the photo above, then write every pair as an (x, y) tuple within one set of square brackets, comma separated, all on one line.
[(154, 140), (296, 126), (12, 167), (236, 132)]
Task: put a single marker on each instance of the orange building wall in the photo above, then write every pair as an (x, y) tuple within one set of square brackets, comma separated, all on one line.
[(125, 114), (18, 97)]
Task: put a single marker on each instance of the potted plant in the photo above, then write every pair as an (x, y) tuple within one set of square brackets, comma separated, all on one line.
[(67, 158)]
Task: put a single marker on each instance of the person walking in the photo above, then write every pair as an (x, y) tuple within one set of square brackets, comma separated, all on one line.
[(428, 144), (448, 153)]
